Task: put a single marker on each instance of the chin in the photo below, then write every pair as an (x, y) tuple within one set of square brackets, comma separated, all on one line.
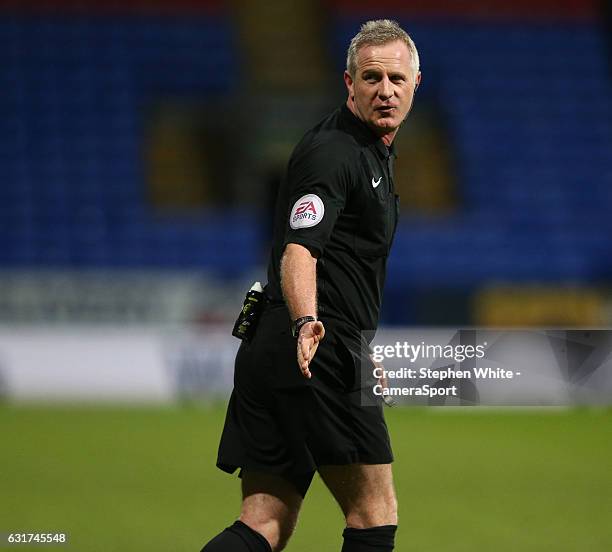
[(387, 124)]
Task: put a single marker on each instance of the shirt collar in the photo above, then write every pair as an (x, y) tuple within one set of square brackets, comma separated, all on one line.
[(361, 131)]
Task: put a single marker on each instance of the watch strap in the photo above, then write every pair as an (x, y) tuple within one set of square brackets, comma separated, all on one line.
[(299, 322)]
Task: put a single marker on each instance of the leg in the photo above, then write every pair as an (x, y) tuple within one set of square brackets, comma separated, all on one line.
[(365, 493), (270, 506), (366, 496)]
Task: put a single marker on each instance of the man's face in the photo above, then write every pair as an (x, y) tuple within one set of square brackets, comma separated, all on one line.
[(381, 91)]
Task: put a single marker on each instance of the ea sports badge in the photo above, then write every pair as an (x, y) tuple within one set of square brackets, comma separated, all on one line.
[(307, 211)]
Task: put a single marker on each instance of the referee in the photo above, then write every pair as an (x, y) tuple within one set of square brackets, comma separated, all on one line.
[(335, 219)]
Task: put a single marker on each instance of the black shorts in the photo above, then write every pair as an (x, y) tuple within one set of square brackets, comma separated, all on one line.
[(279, 422)]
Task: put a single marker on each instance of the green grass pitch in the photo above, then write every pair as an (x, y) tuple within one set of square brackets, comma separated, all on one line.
[(143, 479)]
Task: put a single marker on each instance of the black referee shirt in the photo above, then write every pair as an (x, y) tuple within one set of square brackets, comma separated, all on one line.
[(338, 200)]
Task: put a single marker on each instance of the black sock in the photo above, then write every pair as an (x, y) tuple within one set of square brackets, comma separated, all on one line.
[(372, 539), (238, 538)]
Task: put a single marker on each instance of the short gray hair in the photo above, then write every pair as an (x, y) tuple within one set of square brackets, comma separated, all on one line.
[(378, 32)]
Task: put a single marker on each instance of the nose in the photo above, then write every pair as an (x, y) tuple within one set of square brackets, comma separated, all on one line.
[(384, 89)]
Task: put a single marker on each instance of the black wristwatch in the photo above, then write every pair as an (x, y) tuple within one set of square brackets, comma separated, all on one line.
[(297, 324)]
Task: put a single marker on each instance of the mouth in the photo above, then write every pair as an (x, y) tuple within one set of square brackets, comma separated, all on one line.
[(385, 109)]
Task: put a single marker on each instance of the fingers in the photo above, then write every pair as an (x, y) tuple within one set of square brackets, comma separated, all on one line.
[(304, 356), (308, 341)]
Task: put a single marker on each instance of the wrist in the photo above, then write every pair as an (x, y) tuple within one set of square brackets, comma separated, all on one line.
[(297, 324)]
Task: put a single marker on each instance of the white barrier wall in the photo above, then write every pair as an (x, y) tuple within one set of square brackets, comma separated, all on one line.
[(163, 365), (99, 363)]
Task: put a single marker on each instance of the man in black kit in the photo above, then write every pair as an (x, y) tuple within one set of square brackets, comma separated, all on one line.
[(335, 219)]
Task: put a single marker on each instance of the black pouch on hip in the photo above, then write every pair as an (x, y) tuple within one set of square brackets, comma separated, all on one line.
[(253, 306)]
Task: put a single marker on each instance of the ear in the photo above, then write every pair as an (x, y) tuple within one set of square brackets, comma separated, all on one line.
[(350, 85), (417, 81)]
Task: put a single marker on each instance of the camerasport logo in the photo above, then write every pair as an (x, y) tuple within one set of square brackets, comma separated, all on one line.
[(307, 211)]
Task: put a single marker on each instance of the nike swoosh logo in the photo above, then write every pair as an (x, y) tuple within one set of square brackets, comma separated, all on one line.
[(375, 183)]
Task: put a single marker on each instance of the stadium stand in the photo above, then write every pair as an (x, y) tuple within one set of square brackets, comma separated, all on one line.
[(526, 94), (74, 92)]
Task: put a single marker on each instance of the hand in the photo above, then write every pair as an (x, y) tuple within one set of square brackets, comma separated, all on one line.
[(308, 341), (387, 399)]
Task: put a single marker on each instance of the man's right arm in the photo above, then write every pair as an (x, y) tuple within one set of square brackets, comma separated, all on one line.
[(299, 286)]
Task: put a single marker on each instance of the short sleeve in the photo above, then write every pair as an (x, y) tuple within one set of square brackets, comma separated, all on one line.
[(318, 184)]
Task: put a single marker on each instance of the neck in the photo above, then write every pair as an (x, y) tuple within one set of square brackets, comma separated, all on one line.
[(386, 137)]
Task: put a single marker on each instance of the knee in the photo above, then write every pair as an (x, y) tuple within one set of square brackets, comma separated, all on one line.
[(276, 532), (376, 512)]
